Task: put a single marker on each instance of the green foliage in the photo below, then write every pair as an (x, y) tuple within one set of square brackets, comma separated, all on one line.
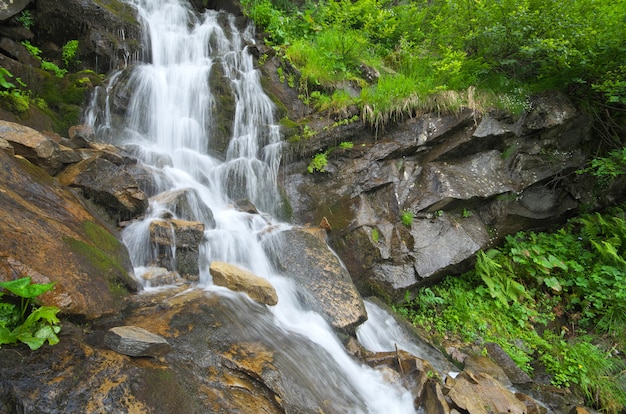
[(506, 50), (607, 169), (577, 273), (45, 65), (13, 99), (26, 19), (4, 82), (69, 53), (406, 217), (318, 163), (32, 325), (346, 145)]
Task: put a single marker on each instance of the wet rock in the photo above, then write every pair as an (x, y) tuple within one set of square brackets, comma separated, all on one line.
[(326, 286), (135, 341), (468, 179), (184, 204), (513, 372), (46, 233), (240, 280), (159, 276), (177, 244), (108, 185), (482, 394), (33, 146)]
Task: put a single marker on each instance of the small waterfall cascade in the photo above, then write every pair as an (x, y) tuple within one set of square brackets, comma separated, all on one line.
[(169, 123)]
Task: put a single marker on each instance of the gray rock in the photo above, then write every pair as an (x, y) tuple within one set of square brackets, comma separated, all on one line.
[(135, 341), (326, 286), (10, 8), (108, 185), (176, 243)]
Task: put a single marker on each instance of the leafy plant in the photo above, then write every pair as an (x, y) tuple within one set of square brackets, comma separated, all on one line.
[(32, 325), (318, 163), (69, 53), (45, 65), (407, 217), (26, 19)]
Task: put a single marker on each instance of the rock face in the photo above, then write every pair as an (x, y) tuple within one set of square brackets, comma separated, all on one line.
[(136, 341), (240, 280), (33, 146), (412, 205), (106, 30), (108, 184), (46, 233), (325, 285)]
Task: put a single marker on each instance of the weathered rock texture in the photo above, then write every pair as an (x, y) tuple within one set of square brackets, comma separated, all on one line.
[(47, 234), (462, 180), (136, 341), (324, 284)]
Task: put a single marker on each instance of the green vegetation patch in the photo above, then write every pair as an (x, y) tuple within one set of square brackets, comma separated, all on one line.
[(558, 299)]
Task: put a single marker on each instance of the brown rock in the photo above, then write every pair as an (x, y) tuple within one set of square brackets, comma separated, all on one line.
[(46, 233), (482, 394), (241, 280), (33, 146)]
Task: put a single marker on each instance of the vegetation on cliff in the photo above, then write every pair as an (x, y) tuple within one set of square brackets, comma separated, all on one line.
[(396, 59)]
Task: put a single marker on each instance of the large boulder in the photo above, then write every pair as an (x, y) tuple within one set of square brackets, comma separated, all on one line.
[(47, 234), (226, 356), (326, 286), (106, 181)]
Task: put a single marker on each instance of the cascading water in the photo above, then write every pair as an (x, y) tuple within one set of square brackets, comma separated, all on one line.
[(169, 122)]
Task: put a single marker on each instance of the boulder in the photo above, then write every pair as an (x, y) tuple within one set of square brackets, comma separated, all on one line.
[(325, 284), (32, 145), (135, 341), (10, 8), (513, 372), (46, 233), (240, 280), (107, 184), (177, 244)]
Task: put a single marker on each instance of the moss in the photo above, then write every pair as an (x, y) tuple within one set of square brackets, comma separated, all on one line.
[(119, 9), (35, 172), (104, 263)]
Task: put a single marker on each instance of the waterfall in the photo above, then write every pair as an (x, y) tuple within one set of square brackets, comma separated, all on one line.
[(170, 122)]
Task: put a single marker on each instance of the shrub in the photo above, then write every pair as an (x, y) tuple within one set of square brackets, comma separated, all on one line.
[(318, 163), (407, 218)]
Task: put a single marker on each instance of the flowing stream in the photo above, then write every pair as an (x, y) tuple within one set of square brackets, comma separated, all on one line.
[(170, 122)]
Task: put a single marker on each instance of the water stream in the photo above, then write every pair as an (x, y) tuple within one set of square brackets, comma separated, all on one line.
[(169, 122)]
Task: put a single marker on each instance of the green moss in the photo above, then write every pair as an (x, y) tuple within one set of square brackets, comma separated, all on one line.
[(35, 172), (103, 258)]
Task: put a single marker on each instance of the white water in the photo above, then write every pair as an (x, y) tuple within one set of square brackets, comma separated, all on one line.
[(169, 119)]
